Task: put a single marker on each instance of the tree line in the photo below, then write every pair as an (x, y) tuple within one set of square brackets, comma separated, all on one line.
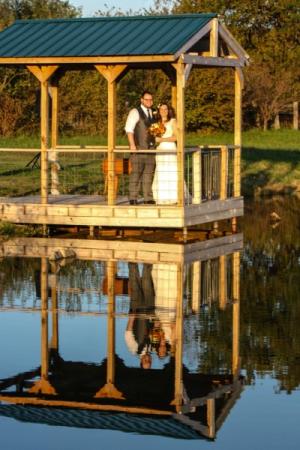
[(268, 30)]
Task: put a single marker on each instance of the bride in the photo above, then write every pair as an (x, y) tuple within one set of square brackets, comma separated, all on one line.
[(164, 185)]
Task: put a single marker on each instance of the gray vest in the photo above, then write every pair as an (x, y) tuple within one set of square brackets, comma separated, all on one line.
[(142, 138)]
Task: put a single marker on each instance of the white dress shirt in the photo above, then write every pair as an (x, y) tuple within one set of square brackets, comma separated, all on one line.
[(133, 118)]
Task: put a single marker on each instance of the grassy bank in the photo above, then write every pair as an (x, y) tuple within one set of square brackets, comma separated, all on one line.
[(270, 160)]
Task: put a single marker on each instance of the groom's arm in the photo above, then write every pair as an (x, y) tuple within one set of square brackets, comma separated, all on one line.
[(132, 120)]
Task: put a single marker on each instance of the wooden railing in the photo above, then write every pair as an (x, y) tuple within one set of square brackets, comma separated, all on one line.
[(210, 172)]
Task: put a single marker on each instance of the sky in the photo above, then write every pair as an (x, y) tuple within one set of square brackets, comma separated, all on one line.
[(89, 7)]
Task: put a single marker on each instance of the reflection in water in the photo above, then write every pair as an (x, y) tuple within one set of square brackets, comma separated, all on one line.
[(179, 385), (270, 275)]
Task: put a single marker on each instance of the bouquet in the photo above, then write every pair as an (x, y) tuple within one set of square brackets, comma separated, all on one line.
[(157, 129)]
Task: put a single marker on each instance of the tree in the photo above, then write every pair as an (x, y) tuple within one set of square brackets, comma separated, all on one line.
[(11, 10), (269, 30), (18, 89), (268, 93)]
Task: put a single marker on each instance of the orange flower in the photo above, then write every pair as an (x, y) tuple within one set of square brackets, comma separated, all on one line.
[(157, 129)]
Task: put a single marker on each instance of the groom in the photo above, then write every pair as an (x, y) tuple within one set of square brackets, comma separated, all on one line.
[(142, 164)]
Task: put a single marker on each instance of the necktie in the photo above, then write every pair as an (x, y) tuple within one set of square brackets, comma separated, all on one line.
[(149, 114)]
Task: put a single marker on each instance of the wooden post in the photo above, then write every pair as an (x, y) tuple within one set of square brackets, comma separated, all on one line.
[(180, 81), (44, 140), (296, 115), (211, 417), (178, 384), (109, 390), (43, 74), (174, 96), (222, 281), (239, 81), (43, 385), (236, 315), (237, 131), (54, 306), (214, 44), (196, 287), (223, 172), (54, 137), (197, 178), (111, 141), (111, 74)]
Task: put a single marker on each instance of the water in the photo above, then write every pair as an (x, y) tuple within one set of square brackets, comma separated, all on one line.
[(221, 366)]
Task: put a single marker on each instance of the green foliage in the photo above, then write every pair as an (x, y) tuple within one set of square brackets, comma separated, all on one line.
[(268, 30), (11, 10), (8, 229), (270, 272)]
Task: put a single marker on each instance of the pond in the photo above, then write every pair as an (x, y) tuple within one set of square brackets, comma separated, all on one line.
[(111, 343)]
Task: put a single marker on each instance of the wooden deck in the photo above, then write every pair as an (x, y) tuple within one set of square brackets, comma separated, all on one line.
[(92, 210), (108, 250)]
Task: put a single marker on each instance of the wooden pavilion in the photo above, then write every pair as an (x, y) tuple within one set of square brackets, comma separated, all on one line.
[(113, 46), (171, 401)]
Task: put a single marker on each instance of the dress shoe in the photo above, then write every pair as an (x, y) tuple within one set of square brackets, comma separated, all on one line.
[(133, 202), (150, 202)]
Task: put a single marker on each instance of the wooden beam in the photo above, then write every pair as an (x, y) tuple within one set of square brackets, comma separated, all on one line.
[(213, 40), (110, 72), (46, 60), (22, 400), (42, 73), (210, 61), (187, 71), (170, 71), (180, 130), (232, 43), (196, 38), (237, 132)]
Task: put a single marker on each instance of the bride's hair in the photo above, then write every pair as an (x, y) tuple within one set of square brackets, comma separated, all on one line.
[(171, 112)]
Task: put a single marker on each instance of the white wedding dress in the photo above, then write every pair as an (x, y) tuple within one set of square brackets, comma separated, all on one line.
[(164, 186), (165, 281)]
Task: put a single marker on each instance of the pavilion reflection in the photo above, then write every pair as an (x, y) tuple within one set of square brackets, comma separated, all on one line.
[(163, 293)]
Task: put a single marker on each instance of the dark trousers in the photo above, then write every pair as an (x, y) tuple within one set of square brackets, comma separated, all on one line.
[(142, 172), (141, 302), (142, 289)]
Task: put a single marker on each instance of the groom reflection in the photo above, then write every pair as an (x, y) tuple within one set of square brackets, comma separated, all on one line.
[(142, 306)]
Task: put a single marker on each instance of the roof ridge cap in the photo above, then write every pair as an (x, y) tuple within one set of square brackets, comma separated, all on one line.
[(104, 18)]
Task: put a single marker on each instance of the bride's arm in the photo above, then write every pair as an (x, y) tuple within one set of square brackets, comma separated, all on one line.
[(172, 138)]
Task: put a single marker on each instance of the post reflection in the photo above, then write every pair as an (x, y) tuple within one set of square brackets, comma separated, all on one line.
[(164, 300)]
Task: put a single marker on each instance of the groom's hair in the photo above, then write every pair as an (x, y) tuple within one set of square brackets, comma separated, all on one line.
[(146, 92)]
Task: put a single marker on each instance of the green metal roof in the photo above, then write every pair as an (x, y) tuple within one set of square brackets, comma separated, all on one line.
[(102, 36), (79, 418)]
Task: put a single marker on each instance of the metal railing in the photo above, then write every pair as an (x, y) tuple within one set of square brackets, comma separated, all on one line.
[(84, 171)]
